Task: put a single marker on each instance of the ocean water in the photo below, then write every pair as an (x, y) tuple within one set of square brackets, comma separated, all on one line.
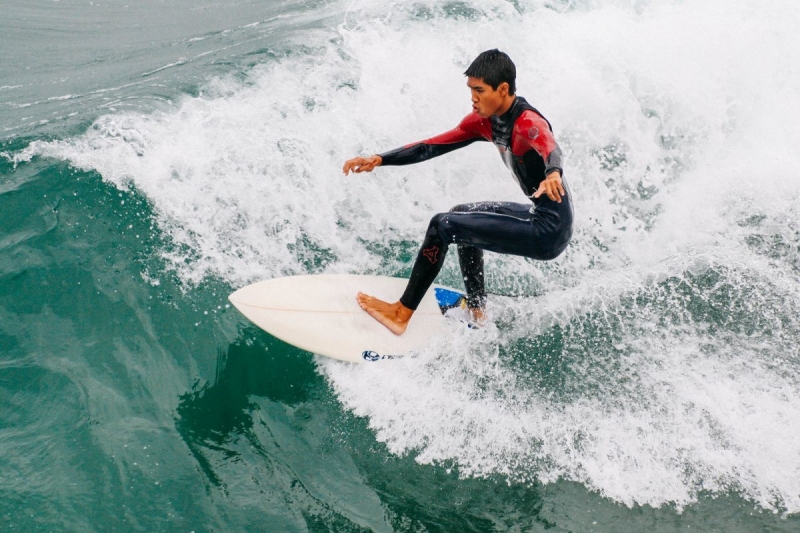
[(157, 155)]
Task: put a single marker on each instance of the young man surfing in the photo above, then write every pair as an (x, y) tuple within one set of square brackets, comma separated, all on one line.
[(539, 229)]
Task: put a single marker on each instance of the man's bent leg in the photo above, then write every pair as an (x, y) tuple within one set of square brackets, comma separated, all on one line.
[(395, 316), (430, 259), (506, 228), (496, 226), (470, 258)]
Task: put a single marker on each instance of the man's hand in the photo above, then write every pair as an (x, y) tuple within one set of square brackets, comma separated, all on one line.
[(551, 186), (362, 164)]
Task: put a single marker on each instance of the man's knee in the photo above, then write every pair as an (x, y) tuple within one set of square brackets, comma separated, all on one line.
[(437, 220), (440, 227)]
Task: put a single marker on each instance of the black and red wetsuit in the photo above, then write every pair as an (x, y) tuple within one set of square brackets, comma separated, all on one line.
[(540, 230)]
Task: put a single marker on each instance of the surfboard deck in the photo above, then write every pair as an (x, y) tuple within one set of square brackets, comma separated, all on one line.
[(320, 314)]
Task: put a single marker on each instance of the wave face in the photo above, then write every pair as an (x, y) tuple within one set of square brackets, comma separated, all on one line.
[(656, 361)]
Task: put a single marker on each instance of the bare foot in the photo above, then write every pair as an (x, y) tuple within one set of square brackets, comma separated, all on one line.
[(394, 316), (477, 317)]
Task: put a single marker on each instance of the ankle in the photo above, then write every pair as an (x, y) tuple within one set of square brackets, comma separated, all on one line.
[(403, 313), (477, 313)]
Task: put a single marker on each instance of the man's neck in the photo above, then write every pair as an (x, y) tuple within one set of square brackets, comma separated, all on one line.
[(502, 110)]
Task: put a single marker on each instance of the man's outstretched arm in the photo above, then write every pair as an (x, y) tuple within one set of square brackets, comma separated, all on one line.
[(471, 129)]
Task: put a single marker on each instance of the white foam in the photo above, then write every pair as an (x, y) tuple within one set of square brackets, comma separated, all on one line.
[(678, 123)]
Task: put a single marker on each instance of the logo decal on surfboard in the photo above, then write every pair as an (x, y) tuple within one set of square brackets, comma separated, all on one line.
[(370, 355)]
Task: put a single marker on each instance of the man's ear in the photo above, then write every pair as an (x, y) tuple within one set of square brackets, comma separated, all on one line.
[(503, 89)]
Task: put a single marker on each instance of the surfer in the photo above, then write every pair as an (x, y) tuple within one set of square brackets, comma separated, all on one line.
[(539, 229)]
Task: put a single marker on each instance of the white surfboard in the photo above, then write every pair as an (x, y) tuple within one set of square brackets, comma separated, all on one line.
[(320, 314)]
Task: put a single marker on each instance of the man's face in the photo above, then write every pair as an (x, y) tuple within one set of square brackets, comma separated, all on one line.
[(485, 100)]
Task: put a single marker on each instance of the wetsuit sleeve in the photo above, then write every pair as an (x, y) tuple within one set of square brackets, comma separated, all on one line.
[(471, 129), (553, 161), (533, 132)]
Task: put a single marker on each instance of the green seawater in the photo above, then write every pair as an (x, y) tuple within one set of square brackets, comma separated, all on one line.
[(134, 398)]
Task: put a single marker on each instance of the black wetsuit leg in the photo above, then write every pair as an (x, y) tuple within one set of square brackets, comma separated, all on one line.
[(501, 227), (470, 258)]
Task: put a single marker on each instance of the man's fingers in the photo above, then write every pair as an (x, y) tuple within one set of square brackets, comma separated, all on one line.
[(358, 165), (556, 193), (552, 191), (552, 188), (350, 166)]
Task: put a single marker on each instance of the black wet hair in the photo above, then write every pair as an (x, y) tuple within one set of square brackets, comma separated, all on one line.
[(494, 67)]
